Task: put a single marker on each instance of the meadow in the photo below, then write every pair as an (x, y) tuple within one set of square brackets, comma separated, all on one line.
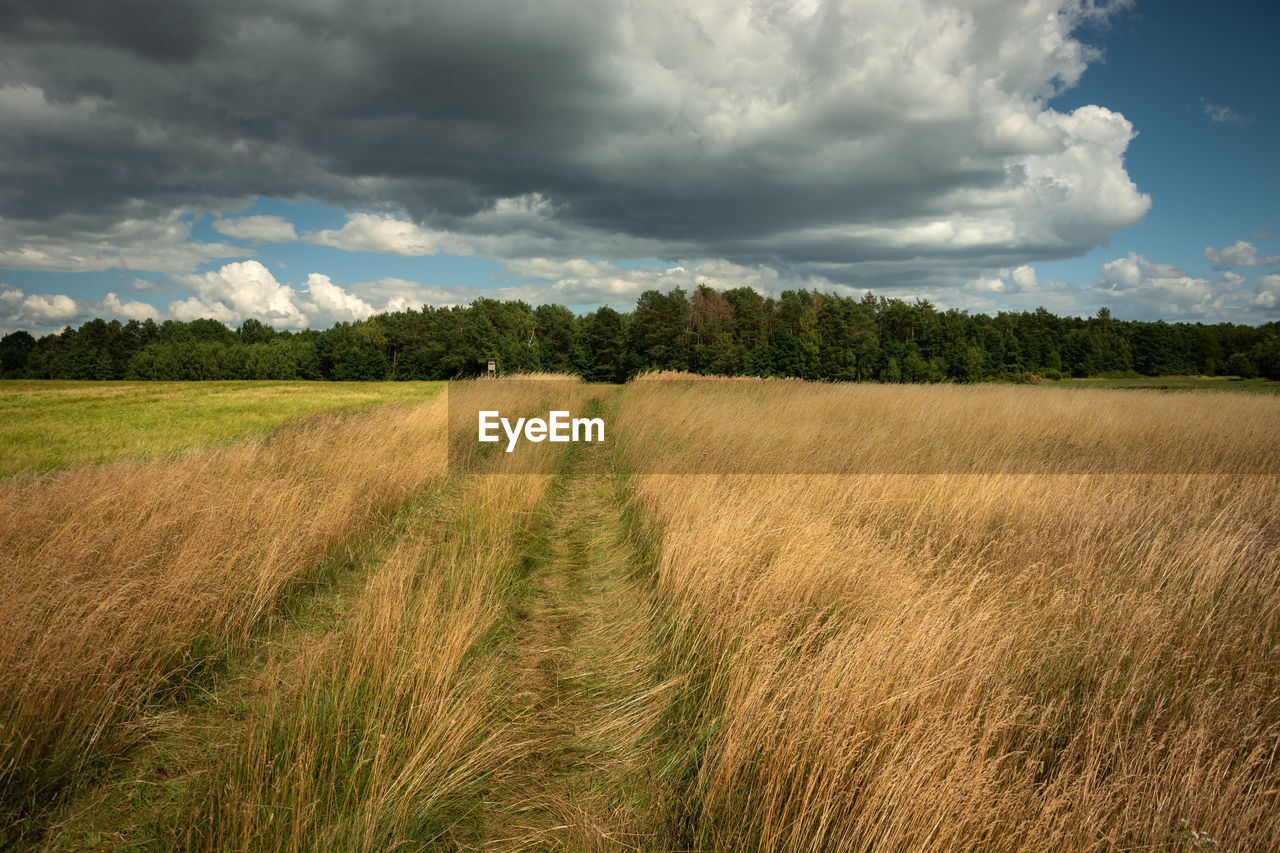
[(763, 615), (48, 425), (1010, 651)]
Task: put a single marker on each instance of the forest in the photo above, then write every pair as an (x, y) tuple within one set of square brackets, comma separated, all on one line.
[(734, 332)]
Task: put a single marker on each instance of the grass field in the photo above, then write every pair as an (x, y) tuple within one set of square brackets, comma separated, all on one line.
[(1007, 655), (763, 615), (47, 425)]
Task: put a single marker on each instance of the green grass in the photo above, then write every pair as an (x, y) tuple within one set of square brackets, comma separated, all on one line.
[(55, 424), (1176, 383)]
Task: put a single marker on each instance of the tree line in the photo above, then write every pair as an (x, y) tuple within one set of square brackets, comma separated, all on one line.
[(735, 332)]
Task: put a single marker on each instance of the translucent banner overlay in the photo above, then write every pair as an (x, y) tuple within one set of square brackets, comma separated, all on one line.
[(678, 426)]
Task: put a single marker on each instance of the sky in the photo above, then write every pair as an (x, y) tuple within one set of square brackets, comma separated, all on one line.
[(307, 162)]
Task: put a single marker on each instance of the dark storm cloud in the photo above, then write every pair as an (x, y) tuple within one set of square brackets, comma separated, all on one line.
[(172, 31), (809, 137)]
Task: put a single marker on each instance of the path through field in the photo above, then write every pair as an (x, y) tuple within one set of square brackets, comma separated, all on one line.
[(586, 698), (579, 737)]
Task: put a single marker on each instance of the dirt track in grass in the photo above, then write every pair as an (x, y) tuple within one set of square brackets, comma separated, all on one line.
[(587, 698)]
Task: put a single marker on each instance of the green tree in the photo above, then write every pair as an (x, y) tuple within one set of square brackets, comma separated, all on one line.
[(660, 331), (1239, 364), (253, 331), (274, 360), (556, 332), (749, 330), (1267, 354), (711, 319), (971, 366), (603, 351), (362, 365), (15, 347), (915, 368)]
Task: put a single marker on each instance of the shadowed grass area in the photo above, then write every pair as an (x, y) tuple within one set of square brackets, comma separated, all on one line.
[(56, 424), (1176, 383)]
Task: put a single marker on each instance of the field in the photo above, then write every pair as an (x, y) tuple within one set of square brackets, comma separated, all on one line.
[(762, 615), (46, 425)]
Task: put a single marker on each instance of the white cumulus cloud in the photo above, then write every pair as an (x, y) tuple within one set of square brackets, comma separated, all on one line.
[(332, 301), (1024, 277), (239, 290), (1267, 295), (371, 232), (1133, 285), (45, 310), (1242, 253), (128, 309), (42, 312), (248, 289)]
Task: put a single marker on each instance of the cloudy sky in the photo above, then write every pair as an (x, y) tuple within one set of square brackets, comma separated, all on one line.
[(310, 161)]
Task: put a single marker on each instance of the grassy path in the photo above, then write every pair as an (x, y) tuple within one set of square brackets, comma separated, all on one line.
[(586, 697), (483, 675)]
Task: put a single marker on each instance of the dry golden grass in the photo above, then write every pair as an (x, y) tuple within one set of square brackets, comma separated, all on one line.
[(708, 425), (390, 732), (119, 583), (934, 618), (979, 661), (393, 730)]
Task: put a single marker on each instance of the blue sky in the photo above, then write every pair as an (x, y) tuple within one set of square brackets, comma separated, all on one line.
[(305, 171), (1212, 183)]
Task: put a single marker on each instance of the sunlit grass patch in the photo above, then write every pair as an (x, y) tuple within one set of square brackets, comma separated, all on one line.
[(55, 424)]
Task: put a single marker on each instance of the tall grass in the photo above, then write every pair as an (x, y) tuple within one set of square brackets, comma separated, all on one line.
[(119, 583), (791, 427), (932, 618), (390, 734), (969, 661)]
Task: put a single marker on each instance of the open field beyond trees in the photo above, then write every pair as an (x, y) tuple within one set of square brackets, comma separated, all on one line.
[(762, 615)]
